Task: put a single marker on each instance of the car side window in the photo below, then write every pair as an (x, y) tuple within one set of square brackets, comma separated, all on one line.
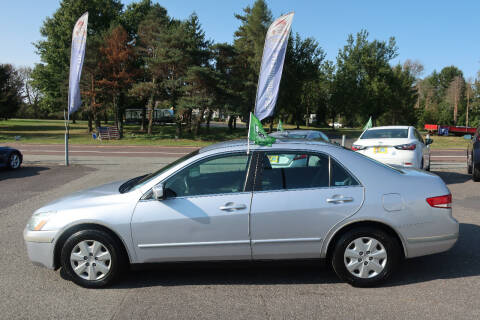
[(224, 174), (294, 171), (340, 176), (418, 136)]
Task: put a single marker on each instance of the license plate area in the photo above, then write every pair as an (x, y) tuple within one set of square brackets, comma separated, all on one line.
[(380, 150), (273, 159)]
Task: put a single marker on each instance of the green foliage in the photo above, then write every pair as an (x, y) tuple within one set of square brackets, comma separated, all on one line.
[(51, 75), (10, 91)]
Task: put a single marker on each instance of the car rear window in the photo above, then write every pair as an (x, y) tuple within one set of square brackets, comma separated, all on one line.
[(385, 133)]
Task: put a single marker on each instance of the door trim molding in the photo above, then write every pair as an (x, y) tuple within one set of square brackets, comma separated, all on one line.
[(286, 240), (191, 244)]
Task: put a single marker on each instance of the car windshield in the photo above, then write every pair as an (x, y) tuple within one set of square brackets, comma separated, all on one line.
[(385, 134), (137, 182)]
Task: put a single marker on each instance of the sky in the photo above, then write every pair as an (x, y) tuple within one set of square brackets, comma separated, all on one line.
[(436, 33)]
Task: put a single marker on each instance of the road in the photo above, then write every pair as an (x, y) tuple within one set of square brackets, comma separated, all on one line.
[(443, 286)]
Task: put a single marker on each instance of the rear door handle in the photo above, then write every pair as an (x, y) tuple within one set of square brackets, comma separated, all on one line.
[(339, 200), (230, 206)]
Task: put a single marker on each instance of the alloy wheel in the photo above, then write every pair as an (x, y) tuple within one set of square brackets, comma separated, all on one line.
[(14, 161)]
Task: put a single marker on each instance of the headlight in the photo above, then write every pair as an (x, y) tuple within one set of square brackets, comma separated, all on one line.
[(38, 220)]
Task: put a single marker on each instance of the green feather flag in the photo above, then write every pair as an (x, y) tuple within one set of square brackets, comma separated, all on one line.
[(368, 125), (257, 134), (280, 125)]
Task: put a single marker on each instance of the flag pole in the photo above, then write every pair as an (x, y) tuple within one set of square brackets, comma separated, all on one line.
[(67, 120), (248, 136)]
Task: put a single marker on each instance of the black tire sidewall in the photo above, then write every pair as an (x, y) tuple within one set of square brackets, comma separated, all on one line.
[(391, 246), (108, 241)]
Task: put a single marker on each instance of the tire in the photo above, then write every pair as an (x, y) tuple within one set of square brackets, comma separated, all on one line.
[(475, 172), (428, 168), (383, 256), (14, 161), (102, 255)]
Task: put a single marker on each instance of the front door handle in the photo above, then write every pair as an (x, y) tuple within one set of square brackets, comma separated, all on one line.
[(339, 200), (230, 206)]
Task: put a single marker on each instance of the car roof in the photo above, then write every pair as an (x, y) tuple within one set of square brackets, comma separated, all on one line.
[(390, 127), (242, 144)]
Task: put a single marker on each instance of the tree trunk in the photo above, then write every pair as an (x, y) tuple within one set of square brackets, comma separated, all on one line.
[(230, 123), (96, 119), (105, 117), (90, 125), (143, 120), (209, 118), (73, 118), (270, 129), (235, 123), (150, 115), (199, 121), (178, 130)]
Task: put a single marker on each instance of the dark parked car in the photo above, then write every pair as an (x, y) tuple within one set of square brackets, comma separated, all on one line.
[(10, 158), (473, 156)]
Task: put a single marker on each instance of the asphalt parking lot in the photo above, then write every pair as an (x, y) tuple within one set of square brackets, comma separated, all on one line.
[(443, 286)]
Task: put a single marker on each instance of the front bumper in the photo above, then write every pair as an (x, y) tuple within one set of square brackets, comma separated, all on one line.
[(40, 247)]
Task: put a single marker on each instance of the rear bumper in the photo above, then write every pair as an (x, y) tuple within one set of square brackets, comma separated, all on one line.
[(421, 246), (40, 247)]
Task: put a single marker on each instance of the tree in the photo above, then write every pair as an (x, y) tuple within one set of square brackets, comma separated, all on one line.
[(10, 91), (363, 75), (51, 75), (30, 93), (454, 93), (117, 69), (150, 33)]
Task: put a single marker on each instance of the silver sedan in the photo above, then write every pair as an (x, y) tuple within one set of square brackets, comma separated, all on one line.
[(222, 203)]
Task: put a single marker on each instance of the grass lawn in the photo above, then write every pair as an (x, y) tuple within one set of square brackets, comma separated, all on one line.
[(52, 132)]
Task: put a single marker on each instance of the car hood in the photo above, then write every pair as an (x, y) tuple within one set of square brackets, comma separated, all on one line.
[(85, 198)]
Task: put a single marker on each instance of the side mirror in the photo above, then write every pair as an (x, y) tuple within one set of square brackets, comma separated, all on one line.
[(428, 141), (467, 137), (158, 193)]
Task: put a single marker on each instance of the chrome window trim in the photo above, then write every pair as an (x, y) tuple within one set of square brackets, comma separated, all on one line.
[(238, 152), (329, 170), (201, 196)]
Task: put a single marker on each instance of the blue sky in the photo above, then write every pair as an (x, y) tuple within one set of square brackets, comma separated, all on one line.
[(437, 33)]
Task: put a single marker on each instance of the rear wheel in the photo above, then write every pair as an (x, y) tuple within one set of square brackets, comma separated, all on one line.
[(365, 256), (92, 258)]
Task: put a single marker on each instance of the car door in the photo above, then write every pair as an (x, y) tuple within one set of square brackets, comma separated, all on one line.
[(294, 207), (203, 217)]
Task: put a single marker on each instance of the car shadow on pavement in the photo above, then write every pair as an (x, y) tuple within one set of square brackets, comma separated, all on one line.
[(463, 260), (453, 177), (22, 172)]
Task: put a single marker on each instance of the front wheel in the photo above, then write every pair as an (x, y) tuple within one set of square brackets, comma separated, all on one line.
[(91, 258), (475, 172), (365, 256), (14, 161)]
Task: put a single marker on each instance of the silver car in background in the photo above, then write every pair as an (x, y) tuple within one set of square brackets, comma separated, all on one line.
[(220, 203)]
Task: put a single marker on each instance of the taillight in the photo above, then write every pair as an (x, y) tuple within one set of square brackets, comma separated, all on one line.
[(357, 147), (409, 146), (441, 201), (300, 156)]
